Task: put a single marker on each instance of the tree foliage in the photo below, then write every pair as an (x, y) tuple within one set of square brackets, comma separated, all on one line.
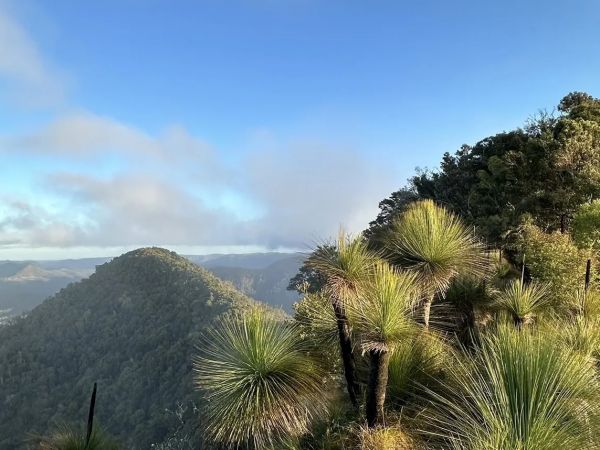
[(545, 169), (132, 327), (554, 259), (586, 225)]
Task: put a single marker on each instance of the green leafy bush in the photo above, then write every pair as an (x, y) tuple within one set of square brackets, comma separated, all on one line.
[(554, 259), (586, 225)]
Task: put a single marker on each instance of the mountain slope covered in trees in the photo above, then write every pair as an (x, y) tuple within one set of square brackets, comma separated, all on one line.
[(267, 284), (132, 327), (263, 276)]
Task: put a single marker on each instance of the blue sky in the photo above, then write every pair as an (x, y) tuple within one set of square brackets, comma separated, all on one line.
[(258, 124)]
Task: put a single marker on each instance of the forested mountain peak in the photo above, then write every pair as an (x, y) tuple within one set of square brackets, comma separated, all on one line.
[(132, 327)]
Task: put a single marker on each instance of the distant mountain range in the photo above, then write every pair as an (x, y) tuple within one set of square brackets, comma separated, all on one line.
[(263, 276), (132, 326)]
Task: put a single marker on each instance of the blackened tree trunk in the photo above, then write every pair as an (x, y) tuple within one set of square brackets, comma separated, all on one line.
[(468, 327), (347, 352), (588, 273), (378, 379), (90, 424)]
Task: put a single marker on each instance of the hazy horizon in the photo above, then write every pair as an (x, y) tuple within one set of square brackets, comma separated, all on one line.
[(77, 253)]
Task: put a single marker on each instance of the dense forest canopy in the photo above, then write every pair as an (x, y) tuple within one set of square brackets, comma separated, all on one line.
[(132, 327), (545, 169)]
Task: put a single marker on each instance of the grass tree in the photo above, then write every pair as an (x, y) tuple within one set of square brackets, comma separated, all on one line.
[(344, 265), (416, 364), (581, 335), (261, 387), (522, 301), (521, 390), (468, 296), (436, 245), (585, 303), (382, 316), (69, 438)]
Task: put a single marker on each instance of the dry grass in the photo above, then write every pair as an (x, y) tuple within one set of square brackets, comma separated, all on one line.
[(388, 438)]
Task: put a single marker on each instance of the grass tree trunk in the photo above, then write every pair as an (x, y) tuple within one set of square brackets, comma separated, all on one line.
[(427, 310), (347, 352), (90, 424), (378, 379), (519, 322), (468, 327), (588, 273)]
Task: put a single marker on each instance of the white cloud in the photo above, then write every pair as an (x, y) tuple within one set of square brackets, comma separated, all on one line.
[(311, 189), (302, 193), (135, 209), (28, 78), (86, 134), (23, 224)]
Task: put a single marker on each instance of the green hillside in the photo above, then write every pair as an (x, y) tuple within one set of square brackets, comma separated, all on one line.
[(131, 327), (267, 284)]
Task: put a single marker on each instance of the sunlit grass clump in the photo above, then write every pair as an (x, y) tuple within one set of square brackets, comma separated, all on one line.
[(381, 312), (415, 364), (261, 387), (523, 302), (585, 303), (581, 335), (520, 391)]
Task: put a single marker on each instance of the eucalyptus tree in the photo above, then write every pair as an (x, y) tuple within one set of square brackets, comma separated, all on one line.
[(381, 313), (436, 245), (261, 386), (344, 267)]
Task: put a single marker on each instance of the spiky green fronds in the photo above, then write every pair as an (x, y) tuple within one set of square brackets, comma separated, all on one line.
[(581, 335), (585, 303), (317, 322), (260, 385), (344, 264), (314, 312), (467, 293), (381, 311), (521, 390), (416, 364), (523, 302), (69, 438), (434, 243)]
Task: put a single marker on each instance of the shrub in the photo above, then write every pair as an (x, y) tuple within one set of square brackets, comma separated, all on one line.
[(586, 225), (553, 258)]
